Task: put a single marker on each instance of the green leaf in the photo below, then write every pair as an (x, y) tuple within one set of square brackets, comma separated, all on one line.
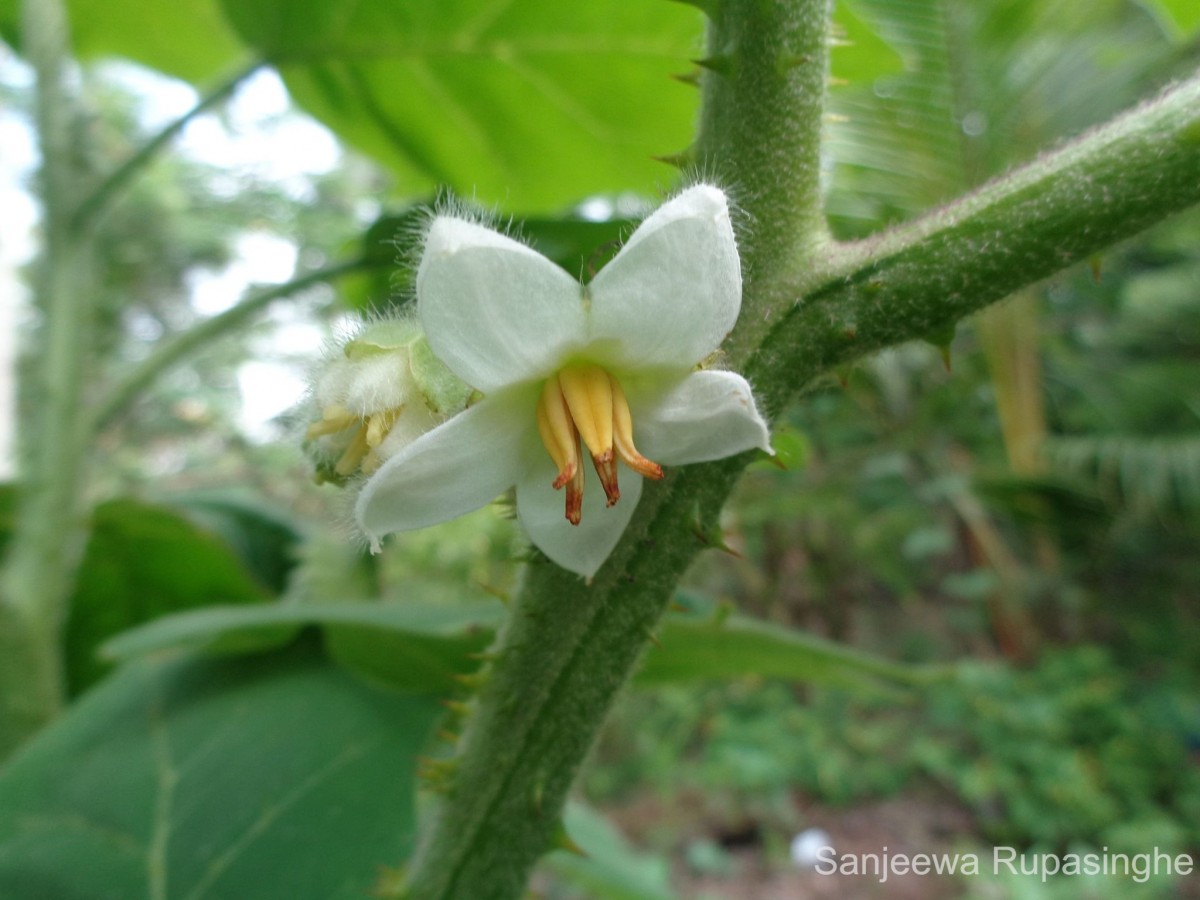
[(1182, 16), (407, 646), (264, 540), (860, 54), (984, 85), (189, 39), (533, 104), (1159, 475), (271, 776), (142, 562), (691, 648), (608, 868)]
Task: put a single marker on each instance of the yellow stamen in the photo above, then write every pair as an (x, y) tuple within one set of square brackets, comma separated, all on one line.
[(370, 432), (623, 437), (558, 432), (588, 392), (584, 401), (354, 454), (379, 425), (333, 420)]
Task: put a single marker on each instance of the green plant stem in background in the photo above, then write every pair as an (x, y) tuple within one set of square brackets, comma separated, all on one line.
[(188, 342), (110, 188), (570, 647), (49, 533), (50, 529)]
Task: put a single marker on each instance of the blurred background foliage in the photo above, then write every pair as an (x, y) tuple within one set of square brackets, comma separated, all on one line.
[(1020, 499)]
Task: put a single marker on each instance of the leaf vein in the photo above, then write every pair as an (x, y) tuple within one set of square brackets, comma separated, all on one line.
[(221, 863)]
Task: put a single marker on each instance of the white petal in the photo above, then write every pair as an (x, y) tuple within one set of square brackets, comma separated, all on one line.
[(581, 548), (415, 421), (459, 466), (495, 311), (705, 416), (673, 292)]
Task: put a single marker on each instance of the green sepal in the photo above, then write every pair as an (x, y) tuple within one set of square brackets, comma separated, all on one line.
[(383, 337), (445, 393)]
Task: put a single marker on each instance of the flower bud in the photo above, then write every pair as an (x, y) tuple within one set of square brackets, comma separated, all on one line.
[(382, 391)]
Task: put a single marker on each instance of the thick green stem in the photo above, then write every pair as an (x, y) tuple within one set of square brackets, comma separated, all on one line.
[(179, 348), (760, 137), (49, 533)]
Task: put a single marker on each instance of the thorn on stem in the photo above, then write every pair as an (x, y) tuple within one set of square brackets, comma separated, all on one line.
[(721, 63)]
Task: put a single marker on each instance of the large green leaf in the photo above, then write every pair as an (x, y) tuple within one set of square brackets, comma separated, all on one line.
[(265, 540), (408, 646), (859, 54), (528, 103), (186, 38), (141, 562), (270, 776)]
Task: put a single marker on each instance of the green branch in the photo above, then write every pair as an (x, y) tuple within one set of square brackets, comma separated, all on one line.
[(95, 204), (174, 351), (920, 278)]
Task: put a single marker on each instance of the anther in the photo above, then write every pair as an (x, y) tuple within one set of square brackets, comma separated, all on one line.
[(585, 402)]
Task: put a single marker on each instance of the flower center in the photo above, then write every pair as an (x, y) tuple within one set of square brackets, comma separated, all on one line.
[(584, 401), (365, 434)]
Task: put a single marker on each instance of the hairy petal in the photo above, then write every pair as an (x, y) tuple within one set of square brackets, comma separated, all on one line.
[(459, 466), (673, 292), (495, 311), (580, 548), (704, 416)]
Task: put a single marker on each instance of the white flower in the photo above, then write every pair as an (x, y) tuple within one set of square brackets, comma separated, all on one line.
[(610, 362)]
